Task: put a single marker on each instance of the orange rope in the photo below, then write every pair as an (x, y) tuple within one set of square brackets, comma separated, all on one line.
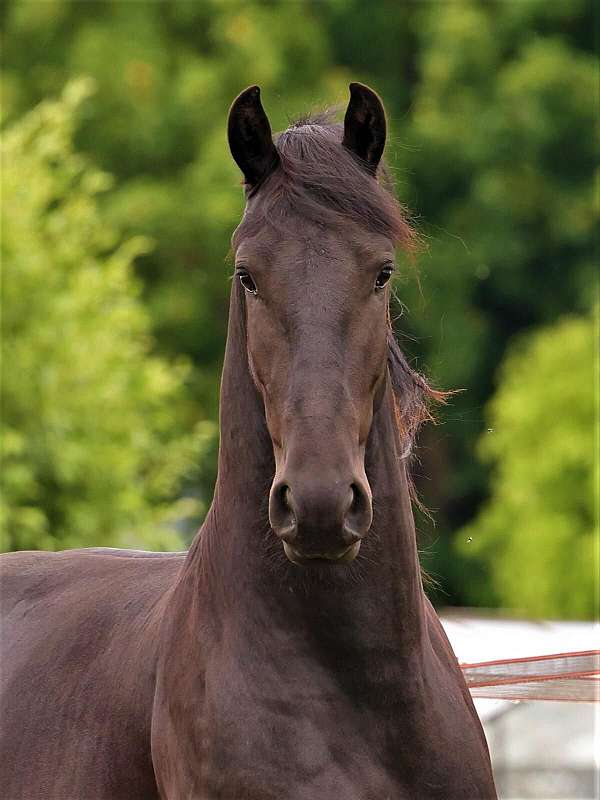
[(573, 677)]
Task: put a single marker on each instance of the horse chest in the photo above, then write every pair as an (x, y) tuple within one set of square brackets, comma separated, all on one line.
[(260, 756), (267, 740), (262, 739)]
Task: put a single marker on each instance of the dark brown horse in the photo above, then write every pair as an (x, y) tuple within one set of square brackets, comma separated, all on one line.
[(291, 654)]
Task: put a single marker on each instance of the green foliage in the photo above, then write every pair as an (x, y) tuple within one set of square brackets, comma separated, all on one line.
[(493, 139), (537, 532), (165, 75), (501, 151), (93, 453)]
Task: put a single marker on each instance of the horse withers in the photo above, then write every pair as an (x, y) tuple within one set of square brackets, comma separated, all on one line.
[(291, 654)]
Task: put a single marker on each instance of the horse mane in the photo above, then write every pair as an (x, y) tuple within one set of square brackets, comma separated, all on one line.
[(319, 180)]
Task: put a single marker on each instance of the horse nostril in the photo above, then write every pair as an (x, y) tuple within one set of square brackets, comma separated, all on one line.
[(281, 512), (285, 500), (356, 498), (286, 497), (359, 514)]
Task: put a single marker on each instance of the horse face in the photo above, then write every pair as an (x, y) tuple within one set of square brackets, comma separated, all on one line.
[(316, 297)]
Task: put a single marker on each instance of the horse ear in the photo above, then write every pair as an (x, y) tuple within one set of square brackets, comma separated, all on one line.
[(365, 126), (250, 139)]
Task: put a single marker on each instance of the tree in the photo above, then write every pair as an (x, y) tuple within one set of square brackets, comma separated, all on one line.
[(166, 73), (492, 138), (537, 532), (93, 451)]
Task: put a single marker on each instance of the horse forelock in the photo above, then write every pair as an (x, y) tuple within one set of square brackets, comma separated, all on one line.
[(319, 180)]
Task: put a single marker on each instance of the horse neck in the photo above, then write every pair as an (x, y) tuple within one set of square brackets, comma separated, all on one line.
[(238, 565)]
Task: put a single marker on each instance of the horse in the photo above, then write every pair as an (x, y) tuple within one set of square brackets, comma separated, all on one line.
[(292, 651)]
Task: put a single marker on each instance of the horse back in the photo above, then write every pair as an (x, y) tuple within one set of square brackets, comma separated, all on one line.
[(79, 638)]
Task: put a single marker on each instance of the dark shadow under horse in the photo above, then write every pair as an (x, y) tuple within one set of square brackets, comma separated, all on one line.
[(291, 654)]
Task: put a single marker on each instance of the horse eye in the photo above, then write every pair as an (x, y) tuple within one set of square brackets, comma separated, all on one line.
[(247, 282), (383, 277)]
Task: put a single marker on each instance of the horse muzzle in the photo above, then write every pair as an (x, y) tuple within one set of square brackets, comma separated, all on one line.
[(320, 523), (343, 556)]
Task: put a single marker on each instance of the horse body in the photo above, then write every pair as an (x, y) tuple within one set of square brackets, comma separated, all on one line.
[(245, 670), (276, 713), (286, 716), (77, 672), (302, 723)]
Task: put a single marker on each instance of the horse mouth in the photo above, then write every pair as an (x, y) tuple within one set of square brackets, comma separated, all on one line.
[(343, 556)]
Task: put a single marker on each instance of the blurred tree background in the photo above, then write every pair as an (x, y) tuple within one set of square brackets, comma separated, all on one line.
[(95, 446), (492, 109)]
